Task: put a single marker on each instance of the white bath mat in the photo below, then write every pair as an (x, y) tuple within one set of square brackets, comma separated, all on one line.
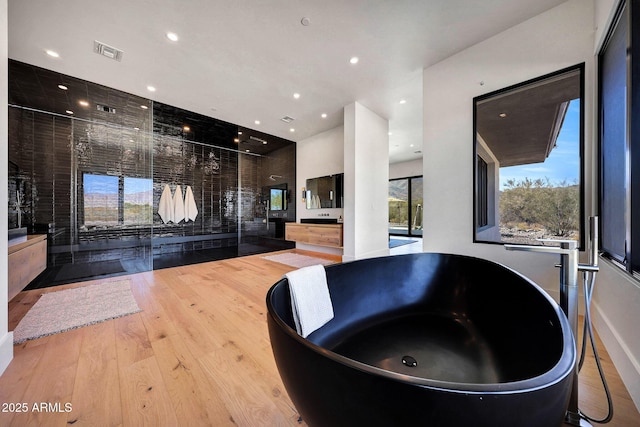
[(73, 308)]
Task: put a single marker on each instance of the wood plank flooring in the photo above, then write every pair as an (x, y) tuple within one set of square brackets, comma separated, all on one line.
[(198, 354)]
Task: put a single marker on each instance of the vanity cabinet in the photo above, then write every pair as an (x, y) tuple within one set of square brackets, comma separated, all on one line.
[(314, 234), (27, 259)]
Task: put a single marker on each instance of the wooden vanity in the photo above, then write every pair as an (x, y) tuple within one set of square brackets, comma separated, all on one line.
[(27, 259), (314, 234)]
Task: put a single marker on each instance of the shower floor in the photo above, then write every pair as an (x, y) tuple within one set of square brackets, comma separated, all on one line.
[(72, 273)]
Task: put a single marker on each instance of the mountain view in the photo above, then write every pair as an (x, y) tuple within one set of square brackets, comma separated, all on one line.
[(101, 200)]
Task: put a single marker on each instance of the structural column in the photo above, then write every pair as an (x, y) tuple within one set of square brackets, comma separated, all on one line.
[(366, 183)]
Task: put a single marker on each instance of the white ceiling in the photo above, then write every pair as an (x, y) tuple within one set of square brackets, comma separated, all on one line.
[(243, 60)]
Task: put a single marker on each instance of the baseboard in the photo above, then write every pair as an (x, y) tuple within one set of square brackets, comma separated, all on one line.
[(6, 351), (625, 362)]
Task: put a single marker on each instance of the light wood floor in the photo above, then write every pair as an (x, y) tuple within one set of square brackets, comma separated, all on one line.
[(198, 354)]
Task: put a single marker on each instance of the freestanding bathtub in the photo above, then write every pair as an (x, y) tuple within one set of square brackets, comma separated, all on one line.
[(427, 340)]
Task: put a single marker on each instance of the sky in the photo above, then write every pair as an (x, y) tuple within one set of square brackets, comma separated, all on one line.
[(563, 162), (107, 184)]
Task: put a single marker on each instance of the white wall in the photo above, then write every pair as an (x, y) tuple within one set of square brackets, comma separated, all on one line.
[(6, 337), (616, 300), (405, 169), (366, 183), (319, 155)]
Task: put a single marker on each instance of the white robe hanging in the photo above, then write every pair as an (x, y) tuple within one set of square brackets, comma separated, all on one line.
[(190, 207), (165, 207), (178, 205)]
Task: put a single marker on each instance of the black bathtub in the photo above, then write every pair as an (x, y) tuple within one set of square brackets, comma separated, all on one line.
[(430, 340)]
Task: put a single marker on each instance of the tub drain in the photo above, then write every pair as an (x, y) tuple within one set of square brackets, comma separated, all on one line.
[(409, 361)]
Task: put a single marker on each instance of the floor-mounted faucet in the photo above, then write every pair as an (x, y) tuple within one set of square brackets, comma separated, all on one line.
[(569, 296)]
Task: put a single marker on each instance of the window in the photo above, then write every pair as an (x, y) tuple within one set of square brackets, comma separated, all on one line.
[(528, 168), (277, 199), (138, 201), (100, 200), (619, 136), (111, 200), (405, 206)]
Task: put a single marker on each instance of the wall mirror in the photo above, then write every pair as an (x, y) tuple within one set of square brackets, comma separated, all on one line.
[(528, 173), (325, 192)]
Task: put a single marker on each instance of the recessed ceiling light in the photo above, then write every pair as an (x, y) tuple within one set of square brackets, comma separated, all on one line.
[(503, 115), (83, 103), (390, 133), (296, 95), (186, 128), (236, 140), (151, 88), (144, 107), (354, 60), (257, 122), (239, 132), (292, 130), (305, 21), (324, 115), (411, 145), (172, 36), (52, 53), (63, 87), (403, 101), (136, 128), (247, 150), (69, 112)]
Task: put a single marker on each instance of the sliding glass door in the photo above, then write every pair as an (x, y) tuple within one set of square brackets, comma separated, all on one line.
[(405, 206)]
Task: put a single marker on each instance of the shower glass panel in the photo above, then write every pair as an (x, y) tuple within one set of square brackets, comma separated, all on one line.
[(84, 184), (265, 191), (111, 198), (201, 181)]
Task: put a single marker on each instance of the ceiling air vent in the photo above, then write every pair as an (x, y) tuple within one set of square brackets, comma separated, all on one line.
[(108, 51), (287, 119)]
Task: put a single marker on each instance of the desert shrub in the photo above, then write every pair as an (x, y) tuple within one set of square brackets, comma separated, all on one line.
[(538, 201)]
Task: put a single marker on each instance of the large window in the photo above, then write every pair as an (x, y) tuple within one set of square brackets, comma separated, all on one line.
[(528, 168), (619, 80), (405, 206), (111, 200)]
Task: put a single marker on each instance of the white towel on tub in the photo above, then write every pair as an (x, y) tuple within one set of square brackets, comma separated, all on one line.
[(310, 299)]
